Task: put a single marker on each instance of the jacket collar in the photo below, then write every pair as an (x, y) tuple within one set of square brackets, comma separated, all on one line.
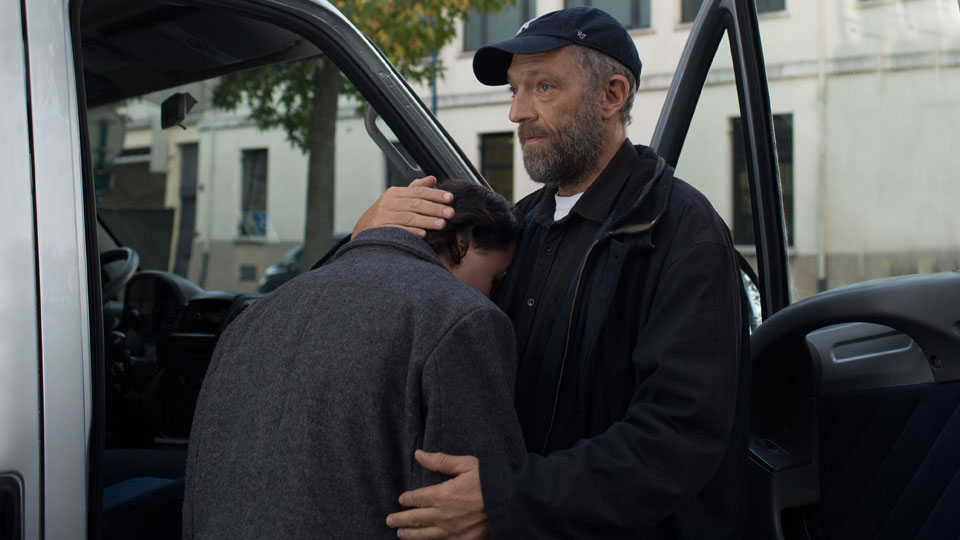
[(390, 237), (649, 190)]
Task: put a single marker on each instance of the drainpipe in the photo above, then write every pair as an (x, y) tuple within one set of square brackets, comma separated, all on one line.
[(433, 84), (822, 148), (208, 188)]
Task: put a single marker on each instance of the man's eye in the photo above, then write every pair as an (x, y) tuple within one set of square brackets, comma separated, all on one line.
[(513, 92), (545, 87)]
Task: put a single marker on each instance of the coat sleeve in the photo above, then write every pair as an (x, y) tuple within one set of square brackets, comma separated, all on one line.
[(673, 437), (468, 382)]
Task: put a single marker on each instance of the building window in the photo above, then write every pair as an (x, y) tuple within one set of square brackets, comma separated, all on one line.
[(742, 208), (481, 29), (496, 162), (766, 6), (248, 272), (253, 201), (689, 8), (631, 13)]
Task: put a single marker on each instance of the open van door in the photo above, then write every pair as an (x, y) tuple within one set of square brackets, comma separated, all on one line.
[(207, 205), (856, 388)]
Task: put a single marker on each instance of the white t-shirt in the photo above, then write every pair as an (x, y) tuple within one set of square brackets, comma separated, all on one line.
[(564, 204)]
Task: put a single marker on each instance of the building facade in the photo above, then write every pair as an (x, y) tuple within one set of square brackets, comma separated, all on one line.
[(865, 93)]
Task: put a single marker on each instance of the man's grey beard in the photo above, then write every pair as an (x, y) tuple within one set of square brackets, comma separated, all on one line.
[(573, 151)]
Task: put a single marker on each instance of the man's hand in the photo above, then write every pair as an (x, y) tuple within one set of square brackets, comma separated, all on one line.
[(453, 509), (416, 208)]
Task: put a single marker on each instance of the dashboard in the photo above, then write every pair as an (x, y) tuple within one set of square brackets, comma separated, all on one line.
[(158, 353), (154, 301)]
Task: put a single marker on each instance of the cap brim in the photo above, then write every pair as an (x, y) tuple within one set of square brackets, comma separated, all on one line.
[(490, 63)]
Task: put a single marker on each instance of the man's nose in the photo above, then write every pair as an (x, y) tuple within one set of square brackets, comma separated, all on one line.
[(521, 109)]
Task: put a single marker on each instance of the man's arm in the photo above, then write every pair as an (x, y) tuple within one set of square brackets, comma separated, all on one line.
[(669, 444), (468, 385), (416, 208)]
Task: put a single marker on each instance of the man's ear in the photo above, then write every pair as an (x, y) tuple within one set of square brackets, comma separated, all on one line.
[(614, 96)]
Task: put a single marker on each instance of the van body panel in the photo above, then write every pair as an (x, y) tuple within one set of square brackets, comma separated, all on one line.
[(64, 314), (20, 414)]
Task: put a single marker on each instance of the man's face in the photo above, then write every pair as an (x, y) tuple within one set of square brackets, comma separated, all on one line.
[(560, 128)]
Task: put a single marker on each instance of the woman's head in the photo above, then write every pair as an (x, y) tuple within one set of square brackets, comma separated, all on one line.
[(479, 241)]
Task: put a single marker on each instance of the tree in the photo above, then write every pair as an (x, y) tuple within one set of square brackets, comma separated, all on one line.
[(301, 97)]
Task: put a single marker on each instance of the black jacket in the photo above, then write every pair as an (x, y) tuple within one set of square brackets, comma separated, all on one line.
[(641, 403)]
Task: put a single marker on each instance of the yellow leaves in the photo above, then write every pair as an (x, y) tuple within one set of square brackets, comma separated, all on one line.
[(407, 31), (371, 26), (429, 34)]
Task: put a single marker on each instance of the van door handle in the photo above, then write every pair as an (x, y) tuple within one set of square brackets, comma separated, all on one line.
[(11, 508), (393, 154)]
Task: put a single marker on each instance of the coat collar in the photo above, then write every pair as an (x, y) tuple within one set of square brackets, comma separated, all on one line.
[(646, 195), (393, 238)]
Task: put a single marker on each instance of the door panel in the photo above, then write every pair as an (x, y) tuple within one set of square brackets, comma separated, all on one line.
[(852, 424), (849, 422), (888, 435), (862, 356), (20, 410), (889, 466)]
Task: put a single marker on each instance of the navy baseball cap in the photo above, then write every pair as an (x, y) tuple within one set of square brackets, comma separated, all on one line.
[(590, 27)]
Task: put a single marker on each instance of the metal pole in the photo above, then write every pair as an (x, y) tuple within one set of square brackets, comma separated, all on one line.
[(433, 83)]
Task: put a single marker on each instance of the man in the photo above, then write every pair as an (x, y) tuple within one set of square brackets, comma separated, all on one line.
[(625, 295), (318, 394)]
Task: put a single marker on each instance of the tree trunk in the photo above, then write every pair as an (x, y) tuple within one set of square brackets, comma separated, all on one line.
[(318, 229)]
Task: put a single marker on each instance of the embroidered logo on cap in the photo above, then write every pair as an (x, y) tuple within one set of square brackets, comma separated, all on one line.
[(525, 26), (580, 34)]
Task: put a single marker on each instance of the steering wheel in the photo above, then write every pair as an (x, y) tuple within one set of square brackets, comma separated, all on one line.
[(122, 276)]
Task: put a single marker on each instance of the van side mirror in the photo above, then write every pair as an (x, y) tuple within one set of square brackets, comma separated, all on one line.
[(174, 110)]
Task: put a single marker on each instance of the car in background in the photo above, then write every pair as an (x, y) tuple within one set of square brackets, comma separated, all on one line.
[(282, 271), (287, 268), (855, 389)]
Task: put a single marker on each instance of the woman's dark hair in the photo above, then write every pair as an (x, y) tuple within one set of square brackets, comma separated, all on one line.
[(482, 218)]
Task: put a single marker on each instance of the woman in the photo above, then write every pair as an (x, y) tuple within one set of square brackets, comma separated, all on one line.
[(318, 395)]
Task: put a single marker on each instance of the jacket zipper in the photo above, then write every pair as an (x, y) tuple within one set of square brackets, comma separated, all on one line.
[(566, 346), (573, 304)]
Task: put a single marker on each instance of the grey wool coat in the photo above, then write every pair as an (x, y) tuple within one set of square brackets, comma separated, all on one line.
[(318, 395)]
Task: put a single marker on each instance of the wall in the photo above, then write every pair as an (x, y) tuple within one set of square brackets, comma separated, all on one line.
[(872, 87)]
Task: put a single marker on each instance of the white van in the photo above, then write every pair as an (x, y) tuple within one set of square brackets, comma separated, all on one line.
[(112, 302)]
